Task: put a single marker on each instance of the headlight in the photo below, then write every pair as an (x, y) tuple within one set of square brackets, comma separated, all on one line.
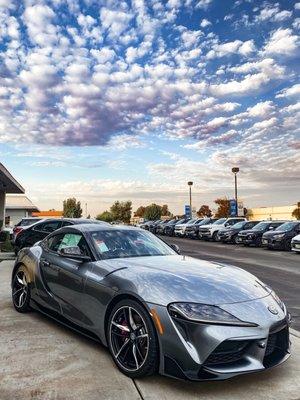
[(205, 313), (279, 236)]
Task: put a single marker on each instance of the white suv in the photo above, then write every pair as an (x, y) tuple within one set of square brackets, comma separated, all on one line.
[(211, 231)]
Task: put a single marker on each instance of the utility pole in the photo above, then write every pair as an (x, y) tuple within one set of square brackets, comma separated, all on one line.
[(235, 170), (190, 184)]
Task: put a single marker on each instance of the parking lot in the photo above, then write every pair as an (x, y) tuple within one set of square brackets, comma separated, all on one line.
[(42, 360), (279, 269)]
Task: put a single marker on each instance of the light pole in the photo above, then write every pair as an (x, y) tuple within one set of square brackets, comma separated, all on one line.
[(190, 186), (235, 170)]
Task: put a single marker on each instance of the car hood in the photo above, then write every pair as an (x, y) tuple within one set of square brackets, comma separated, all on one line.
[(272, 233), (246, 231), (296, 238), (206, 226), (165, 279)]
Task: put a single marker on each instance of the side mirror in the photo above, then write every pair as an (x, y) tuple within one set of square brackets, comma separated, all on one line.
[(271, 228), (175, 248), (73, 252)]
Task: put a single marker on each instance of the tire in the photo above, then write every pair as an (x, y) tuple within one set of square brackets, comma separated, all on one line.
[(235, 239), (21, 290), (287, 245), (139, 357), (215, 237), (258, 242)]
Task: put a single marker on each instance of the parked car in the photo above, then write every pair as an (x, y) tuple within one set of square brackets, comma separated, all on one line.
[(180, 228), (168, 228), (24, 222), (192, 231), (211, 231), (180, 316), (230, 234), (160, 227), (295, 245), (281, 237), (153, 225), (145, 225), (38, 231), (253, 237)]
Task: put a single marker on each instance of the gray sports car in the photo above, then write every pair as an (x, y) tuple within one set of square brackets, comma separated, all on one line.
[(155, 309)]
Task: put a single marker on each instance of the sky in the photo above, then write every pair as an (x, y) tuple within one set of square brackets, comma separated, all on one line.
[(129, 100)]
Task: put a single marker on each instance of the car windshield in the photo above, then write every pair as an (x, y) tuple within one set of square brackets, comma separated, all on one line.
[(261, 226), (219, 221), (119, 243), (205, 221), (238, 225), (191, 221), (287, 226)]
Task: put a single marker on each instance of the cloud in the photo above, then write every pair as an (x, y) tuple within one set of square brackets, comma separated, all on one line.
[(203, 4), (229, 48), (282, 42), (204, 23), (290, 92)]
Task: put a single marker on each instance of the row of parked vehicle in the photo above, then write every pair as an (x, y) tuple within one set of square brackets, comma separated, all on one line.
[(281, 235)]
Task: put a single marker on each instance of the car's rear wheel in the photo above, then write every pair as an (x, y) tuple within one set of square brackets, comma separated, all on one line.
[(21, 291), (132, 339)]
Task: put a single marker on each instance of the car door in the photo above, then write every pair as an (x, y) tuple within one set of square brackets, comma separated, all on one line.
[(67, 276)]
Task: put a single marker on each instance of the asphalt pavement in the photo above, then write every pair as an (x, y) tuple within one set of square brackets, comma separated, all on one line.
[(279, 269)]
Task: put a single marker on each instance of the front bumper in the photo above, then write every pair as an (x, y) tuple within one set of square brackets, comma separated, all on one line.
[(191, 234), (296, 246), (245, 240), (204, 234), (273, 244), (198, 351)]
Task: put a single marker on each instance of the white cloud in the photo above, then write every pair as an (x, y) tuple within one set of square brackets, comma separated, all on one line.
[(203, 4), (297, 6), (204, 23), (290, 92), (282, 42), (234, 47)]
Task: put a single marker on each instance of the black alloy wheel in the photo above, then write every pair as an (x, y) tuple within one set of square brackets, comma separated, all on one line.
[(132, 339), (21, 291)]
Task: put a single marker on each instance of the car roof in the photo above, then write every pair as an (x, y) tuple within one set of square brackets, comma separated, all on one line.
[(99, 227)]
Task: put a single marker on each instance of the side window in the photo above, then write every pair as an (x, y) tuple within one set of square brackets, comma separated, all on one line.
[(54, 242), (48, 227), (74, 239), (231, 222), (249, 225)]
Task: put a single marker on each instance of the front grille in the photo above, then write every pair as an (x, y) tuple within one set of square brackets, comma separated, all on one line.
[(227, 352)]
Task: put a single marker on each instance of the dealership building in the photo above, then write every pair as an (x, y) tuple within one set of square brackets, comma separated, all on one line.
[(8, 185)]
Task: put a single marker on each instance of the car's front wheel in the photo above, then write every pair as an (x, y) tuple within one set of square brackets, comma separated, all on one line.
[(21, 291), (132, 339)]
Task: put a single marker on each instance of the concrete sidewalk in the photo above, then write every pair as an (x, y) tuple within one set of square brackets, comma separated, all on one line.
[(42, 360)]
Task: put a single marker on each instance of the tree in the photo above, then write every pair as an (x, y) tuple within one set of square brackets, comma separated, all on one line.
[(296, 212), (140, 212), (223, 208), (204, 211), (72, 208), (121, 211), (165, 211), (105, 216), (153, 212)]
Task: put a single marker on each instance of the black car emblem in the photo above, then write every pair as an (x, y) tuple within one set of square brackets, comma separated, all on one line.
[(273, 310)]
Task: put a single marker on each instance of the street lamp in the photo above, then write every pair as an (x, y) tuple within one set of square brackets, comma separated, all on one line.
[(235, 170), (190, 186)]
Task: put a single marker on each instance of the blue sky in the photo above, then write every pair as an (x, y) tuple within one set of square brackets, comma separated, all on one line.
[(107, 100)]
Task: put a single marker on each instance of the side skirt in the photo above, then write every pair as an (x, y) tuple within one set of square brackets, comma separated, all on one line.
[(64, 321)]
